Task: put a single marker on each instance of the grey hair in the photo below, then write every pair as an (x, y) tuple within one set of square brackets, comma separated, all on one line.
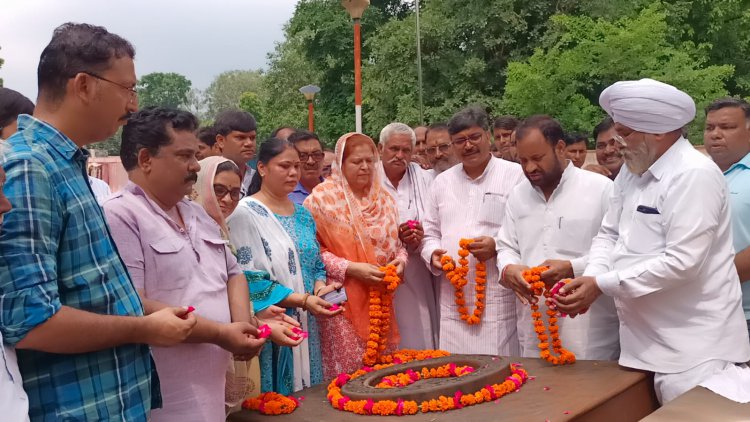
[(395, 128)]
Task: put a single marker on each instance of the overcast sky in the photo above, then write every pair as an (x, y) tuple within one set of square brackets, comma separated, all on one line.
[(196, 38)]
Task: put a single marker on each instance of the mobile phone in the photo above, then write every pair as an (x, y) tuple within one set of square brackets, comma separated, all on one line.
[(335, 297)]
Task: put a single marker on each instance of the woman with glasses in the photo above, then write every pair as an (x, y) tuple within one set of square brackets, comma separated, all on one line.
[(277, 248)]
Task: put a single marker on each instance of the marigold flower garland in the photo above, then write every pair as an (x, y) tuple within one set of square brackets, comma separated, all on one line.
[(457, 277), (381, 299), (564, 356), (271, 404), (402, 379), (409, 407)]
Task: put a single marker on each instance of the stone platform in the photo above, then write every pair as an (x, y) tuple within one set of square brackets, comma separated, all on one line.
[(701, 404), (587, 391)]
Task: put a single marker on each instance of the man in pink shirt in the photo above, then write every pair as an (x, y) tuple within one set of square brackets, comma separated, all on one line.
[(175, 254)]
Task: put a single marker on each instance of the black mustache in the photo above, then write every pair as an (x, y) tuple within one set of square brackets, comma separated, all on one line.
[(192, 177)]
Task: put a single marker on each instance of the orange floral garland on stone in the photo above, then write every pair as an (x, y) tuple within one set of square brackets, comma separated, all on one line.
[(381, 300), (538, 288), (410, 407), (402, 379), (457, 277), (271, 404)]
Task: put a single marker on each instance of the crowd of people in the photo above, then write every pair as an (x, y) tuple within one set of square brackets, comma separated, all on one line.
[(148, 305)]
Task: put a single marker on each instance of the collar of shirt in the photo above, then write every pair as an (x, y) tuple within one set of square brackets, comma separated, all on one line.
[(56, 139), (744, 162), (490, 165), (567, 174), (663, 164), (183, 206), (301, 189)]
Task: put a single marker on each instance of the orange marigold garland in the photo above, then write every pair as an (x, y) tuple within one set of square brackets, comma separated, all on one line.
[(381, 299), (564, 356), (409, 407), (457, 277), (402, 379), (271, 404)]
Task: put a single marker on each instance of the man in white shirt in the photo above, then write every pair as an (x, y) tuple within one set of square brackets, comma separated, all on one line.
[(664, 251), (468, 201), (101, 189), (408, 183), (550, 220)]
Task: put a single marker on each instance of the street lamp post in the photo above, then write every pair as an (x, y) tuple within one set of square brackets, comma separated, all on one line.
[(356, 8), (309, 92)]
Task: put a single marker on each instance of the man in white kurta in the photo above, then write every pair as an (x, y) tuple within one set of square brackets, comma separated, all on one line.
[(468, 201), (550, 220), (664, 251), (408, 183)]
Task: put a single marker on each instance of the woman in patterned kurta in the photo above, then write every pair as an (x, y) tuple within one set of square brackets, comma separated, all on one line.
[(357, 228), (277, 248)]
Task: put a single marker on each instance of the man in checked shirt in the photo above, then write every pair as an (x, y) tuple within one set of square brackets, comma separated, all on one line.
[(67, 303)]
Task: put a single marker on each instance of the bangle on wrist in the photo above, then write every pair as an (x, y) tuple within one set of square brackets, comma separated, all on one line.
[(304, 301)]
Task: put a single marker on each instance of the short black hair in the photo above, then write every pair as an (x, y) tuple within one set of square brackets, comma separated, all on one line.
[(276, 131), (231, 120), (468, 118), (149, 128), (77, 48), (606, 124), (437, 127), (506, 123), (576, 137), (303, 135), (549, 127), (207, 135), (12, 104), (730, 102)]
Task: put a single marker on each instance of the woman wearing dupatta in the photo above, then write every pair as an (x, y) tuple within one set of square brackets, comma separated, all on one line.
[(357, 224), (217, 189), (276, 246)]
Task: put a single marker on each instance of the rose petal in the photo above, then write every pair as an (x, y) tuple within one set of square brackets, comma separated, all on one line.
[(547, 388), (567, 412), (264, 331)]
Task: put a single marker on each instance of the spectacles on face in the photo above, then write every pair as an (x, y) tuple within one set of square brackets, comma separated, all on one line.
[(474, 139), (443, 148), (316, 156), (221, 191), (132, 91)]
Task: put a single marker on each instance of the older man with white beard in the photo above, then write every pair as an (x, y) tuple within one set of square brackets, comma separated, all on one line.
[(415, 300), (439, 149), (664, 251)]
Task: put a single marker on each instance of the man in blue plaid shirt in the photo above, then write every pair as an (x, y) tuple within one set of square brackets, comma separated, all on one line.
[(66, 300)]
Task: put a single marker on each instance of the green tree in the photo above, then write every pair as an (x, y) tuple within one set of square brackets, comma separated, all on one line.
[(466, 47), (225, 91), (318, 49), (253, 104), (583, 56), (163, 89)]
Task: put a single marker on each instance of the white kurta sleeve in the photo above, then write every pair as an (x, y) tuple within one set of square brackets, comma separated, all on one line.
[(689, 228), (506, 240), (431, 225)]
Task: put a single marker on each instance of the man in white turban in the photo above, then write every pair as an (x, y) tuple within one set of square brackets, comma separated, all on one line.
[(664, 250)]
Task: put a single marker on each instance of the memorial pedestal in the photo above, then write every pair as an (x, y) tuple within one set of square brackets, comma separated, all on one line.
[(588, 391)]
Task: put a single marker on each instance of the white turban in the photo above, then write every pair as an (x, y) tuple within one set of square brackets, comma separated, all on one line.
[(648, 106)]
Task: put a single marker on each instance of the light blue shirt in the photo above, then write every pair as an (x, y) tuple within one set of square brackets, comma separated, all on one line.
[(738, 181)]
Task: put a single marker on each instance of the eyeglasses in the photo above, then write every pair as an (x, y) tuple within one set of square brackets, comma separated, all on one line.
[(131, 89), (316, 156), (443, 148), (221, 191), (474, 139)]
